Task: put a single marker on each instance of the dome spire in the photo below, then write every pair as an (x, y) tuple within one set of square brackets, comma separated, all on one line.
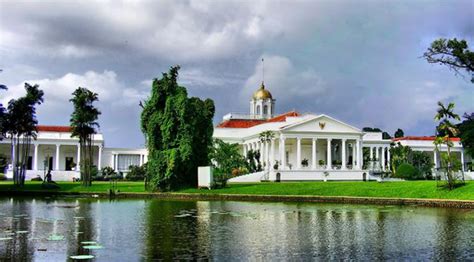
[(263, 72)]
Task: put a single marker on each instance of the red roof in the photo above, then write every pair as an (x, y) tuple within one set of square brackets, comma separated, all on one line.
[(423, 138), (61, 129), (246, 123)]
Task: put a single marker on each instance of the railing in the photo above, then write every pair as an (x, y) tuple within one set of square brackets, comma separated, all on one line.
[(243, 116)]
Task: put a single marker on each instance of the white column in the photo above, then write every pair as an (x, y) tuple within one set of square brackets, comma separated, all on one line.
[(35, 158), (388, 158), (343, 154), (78, 158), (360, 157), (377, 153), (272, 154), (283, 153), (116, 162), (353, 155), (298, 153), (57, 157), (383, 158), (329, 162), (99, 159), (371, 153), (313, 153), (245, 149), (462, 160), (267, 164), (435, 159)]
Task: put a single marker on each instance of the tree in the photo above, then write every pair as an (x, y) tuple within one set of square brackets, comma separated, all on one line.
[(265, 137), (466, 133), (19, 124), (386, 135), (399, 133), (178, 132), (399, 154), (84, 125), (448, 130), (226, 158), (371, 129), (453, 53)]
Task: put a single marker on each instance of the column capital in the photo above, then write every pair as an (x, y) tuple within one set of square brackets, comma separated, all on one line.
[(315, 139)]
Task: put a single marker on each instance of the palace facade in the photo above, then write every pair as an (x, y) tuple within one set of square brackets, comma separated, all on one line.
[(313, 146)]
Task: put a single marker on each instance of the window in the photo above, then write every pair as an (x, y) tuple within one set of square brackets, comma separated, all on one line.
[(258, 110), (265, 110), (124, 161)]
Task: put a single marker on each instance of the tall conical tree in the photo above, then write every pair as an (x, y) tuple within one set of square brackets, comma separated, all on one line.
[(84, 123), (178, 130)]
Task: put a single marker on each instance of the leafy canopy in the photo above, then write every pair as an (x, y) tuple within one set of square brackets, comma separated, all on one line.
[(178, 131), (452, 53)]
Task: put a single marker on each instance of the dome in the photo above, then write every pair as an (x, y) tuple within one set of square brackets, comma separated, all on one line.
[(262, 93)]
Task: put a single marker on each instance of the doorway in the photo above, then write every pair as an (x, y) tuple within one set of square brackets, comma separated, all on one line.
[(69, 163)]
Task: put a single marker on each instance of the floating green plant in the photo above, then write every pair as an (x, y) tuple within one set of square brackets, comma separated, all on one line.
[(55, 238), (93, 247), (89, 243), (82, 257)]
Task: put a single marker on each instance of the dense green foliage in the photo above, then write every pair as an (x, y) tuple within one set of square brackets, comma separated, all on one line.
[(137, 173), (421, 161), (253, 161), (399, 133), (227, 161), (84, 123), (453, 53), (19, 124), (178, 131), (408, 172), (466, 133)]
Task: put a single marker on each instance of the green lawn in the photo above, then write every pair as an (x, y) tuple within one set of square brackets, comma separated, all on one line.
[(97, 187), (408, 189)]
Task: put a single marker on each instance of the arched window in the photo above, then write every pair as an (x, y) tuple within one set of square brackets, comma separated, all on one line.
[(258, 110), (265, 110)]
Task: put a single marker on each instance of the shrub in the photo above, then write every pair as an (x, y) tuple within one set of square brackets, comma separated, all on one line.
[(137, 173), (408, 171), (38, 178), (3, 177)]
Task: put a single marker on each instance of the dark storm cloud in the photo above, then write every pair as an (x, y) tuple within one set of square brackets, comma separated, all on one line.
[(355, 60)]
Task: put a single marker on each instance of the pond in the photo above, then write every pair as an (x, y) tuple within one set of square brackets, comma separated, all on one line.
[(54, 229)]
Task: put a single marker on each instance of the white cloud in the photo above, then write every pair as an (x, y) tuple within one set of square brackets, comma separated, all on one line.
[(284, 80), (57, 108)]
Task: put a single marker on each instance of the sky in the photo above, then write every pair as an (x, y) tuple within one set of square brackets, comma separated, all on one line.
[(357, 61)]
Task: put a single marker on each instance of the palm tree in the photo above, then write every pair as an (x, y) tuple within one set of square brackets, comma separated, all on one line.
[(446, 130), (20, 125), (84, 123)]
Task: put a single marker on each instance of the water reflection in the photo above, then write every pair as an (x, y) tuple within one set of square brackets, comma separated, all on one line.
[(137, 230)]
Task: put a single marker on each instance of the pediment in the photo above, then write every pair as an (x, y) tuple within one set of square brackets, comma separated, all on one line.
[(323, 124)]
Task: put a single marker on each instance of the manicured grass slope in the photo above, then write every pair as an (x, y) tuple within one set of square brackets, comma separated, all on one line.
[(408, 189)]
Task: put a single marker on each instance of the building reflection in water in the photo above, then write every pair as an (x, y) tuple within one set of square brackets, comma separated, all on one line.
[(137, 230)]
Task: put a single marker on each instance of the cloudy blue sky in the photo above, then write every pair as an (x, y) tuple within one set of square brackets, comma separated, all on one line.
[(358, 61)]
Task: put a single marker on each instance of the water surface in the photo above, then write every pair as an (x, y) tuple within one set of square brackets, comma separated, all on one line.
[(147, 230)]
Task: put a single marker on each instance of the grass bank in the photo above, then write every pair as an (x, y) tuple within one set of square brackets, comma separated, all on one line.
[(408, 189)]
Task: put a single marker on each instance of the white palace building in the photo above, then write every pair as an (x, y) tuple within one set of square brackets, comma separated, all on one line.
[(305, 146), (312, 146)]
